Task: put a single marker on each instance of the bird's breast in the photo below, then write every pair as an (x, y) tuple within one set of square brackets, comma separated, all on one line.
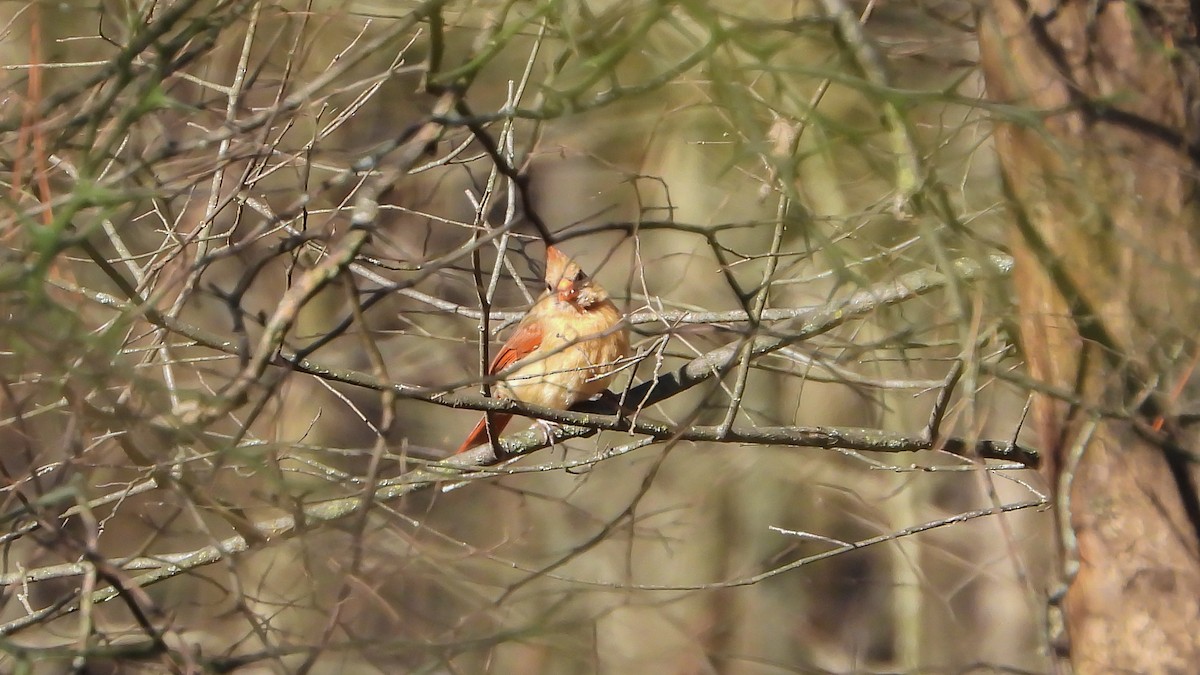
[(577, 358)]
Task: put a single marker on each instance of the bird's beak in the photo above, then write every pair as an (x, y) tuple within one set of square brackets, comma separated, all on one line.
[(566, 290)]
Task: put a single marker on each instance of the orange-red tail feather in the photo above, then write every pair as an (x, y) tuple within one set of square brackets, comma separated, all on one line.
[(479, 434)]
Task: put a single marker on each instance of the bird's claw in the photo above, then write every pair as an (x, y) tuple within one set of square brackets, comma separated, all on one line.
[(548, 428)]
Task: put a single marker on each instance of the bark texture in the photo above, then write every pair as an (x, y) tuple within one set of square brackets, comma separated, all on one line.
[(1103, 189)]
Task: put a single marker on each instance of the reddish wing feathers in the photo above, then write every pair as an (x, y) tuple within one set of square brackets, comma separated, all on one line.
[(520, 344)]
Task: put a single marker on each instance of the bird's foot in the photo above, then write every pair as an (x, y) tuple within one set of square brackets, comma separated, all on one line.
[(548, 428)]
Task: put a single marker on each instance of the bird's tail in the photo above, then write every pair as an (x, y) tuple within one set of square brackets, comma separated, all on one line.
[(479, 434)]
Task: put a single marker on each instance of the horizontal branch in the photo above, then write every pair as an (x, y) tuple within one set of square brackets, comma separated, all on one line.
[(839, 438), (670, 317)]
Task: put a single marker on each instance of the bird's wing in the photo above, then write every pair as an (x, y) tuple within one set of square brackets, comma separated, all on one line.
[(522, 343)]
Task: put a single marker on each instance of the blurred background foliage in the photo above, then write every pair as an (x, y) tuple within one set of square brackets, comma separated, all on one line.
[(173, 169)]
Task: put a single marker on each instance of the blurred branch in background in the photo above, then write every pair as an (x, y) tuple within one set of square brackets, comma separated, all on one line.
[(255, 256)]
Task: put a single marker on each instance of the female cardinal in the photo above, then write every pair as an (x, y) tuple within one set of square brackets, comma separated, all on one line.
[(565, 350)]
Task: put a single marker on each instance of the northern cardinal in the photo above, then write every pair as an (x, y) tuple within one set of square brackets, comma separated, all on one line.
[(565, 350)]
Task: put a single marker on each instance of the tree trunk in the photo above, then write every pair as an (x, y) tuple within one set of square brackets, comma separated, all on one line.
[(1102, 185)]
